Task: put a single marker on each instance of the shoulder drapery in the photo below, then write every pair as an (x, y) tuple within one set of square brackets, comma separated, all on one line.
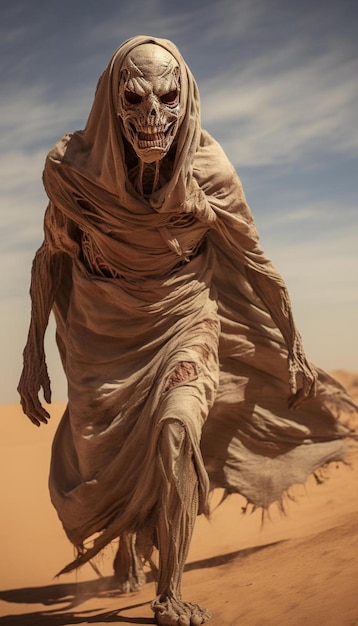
[(153, 282)]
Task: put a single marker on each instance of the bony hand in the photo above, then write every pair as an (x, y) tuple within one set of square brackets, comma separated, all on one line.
[(307, 389), (31, 381)]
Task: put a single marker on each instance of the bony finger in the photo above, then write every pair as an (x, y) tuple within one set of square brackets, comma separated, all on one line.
[(28, 409), (47, 395), (293, 387), (295, 400), (34, 420), (42, 415), (37, 409), (27, 405), (34, 395), (309, 387), (23, 404), (292, 401), (46, 386), (42, 418), (313, 389), (306, 392)]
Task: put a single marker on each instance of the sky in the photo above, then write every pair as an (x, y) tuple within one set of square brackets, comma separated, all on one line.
[(279, 91)]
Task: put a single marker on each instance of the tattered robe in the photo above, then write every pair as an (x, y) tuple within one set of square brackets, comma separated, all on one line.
[(146, 284)]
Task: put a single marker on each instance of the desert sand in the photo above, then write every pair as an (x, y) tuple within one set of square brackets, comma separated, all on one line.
[(296, 568)]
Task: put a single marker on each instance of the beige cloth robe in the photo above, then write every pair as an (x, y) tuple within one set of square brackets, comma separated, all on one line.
[(148, 284)]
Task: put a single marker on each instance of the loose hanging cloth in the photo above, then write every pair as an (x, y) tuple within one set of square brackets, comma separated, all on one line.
[(150, 283)]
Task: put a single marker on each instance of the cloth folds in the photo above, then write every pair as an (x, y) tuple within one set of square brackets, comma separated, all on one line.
[(148, 287)]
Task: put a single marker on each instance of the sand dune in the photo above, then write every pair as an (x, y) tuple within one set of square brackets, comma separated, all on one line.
[(299, 568)]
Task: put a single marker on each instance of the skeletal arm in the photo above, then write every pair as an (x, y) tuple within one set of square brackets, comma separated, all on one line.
[(46, 276)]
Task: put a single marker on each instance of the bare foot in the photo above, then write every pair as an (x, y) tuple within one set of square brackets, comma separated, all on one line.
[(172, 612)]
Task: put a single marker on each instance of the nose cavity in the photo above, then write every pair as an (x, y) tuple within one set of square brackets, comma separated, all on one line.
[(153, 107)]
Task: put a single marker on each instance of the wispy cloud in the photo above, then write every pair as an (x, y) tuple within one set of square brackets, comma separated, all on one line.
[(320, 217), (30, 117), (285, 107)]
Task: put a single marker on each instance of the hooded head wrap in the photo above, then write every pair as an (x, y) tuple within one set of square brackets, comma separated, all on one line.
[(97, 154)]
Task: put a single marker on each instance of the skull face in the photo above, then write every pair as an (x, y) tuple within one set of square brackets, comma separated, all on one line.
[(148, 103)]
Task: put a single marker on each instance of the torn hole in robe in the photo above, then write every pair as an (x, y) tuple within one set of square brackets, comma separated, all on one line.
[(184, 372)]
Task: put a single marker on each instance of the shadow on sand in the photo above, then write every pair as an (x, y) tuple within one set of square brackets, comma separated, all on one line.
[(71, 595)]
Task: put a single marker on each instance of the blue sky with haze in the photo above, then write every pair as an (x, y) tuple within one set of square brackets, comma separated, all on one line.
[(279, 90)]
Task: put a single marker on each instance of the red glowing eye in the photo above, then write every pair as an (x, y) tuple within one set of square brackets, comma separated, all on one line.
[(132, 98)]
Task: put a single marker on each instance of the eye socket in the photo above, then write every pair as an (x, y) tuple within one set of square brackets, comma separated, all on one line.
[(170, 98), (132, 98)]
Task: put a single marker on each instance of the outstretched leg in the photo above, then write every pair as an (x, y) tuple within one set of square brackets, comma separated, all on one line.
[(177, 514)]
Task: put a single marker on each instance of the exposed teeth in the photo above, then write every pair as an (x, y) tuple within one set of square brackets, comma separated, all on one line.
[(158, 141), (153, 130), (151, 137)]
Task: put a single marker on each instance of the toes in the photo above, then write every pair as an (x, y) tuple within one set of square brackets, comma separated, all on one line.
[(200, 616), (172, 612)]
